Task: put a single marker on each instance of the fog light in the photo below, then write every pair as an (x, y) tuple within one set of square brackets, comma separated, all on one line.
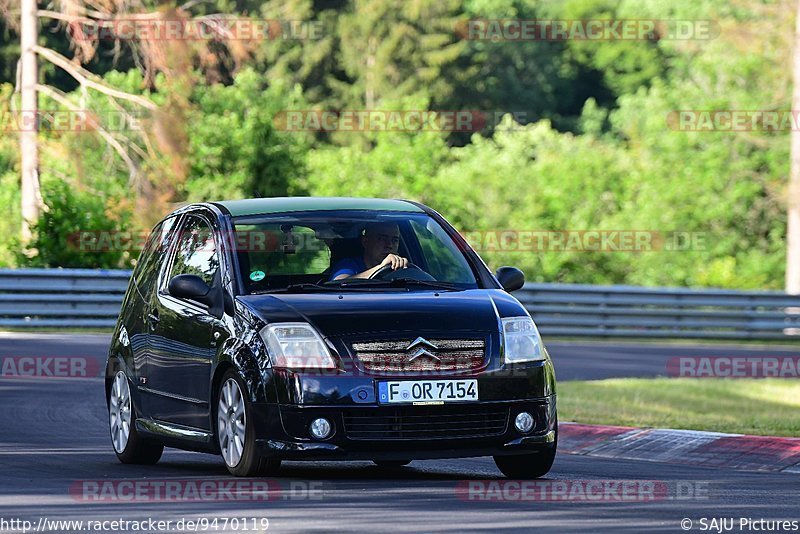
[(524, 422), (320, 428)]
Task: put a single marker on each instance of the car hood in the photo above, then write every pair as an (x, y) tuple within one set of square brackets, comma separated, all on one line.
[(335, 314)]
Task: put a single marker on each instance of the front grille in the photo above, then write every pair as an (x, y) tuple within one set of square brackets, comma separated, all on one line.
[(426, 422), (445, 355)]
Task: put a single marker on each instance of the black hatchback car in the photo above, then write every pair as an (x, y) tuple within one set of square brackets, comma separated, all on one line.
[(326, 329)]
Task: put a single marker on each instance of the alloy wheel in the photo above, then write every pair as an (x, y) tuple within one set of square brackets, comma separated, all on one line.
[(231, 423), (119, 410)]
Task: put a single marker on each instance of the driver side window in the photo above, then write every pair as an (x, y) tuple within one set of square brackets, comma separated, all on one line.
[(196, 252)]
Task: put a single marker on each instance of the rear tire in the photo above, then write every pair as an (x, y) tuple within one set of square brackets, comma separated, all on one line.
[(129, 446), (526, 466), (236, 433)]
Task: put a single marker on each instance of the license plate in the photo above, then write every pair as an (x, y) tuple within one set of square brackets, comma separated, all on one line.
[(428, 391)]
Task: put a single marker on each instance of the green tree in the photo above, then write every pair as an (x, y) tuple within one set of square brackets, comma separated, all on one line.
[(369, 51), (236, 150)]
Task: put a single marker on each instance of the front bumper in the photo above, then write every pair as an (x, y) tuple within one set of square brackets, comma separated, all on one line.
[(409, 451), (340, 447), (367, 430)]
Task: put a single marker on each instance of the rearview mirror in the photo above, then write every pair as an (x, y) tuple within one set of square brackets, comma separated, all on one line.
[(510, 278)]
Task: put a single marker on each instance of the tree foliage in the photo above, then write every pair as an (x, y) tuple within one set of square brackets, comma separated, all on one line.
[(592, 147)]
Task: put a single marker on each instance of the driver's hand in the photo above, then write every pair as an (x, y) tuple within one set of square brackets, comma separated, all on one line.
[(395, 261)]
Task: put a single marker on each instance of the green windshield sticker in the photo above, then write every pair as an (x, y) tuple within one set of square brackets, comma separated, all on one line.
[(257, 276)]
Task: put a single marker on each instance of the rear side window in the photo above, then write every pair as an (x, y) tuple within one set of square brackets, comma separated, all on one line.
[(147, 266), (196, 252)]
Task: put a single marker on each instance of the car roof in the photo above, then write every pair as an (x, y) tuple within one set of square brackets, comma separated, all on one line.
[(260, 206)]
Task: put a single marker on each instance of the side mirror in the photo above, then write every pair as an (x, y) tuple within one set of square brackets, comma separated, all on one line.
[(189, 286), (510, 278), (192, 287)]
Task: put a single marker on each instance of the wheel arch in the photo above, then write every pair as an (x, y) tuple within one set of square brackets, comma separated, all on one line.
[(238, 355), (115, 363)]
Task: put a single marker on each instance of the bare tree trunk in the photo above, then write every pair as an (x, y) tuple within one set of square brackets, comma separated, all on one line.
[(29, 150), (369, 91)]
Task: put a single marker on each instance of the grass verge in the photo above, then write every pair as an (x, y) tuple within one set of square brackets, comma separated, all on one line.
[(768, 407)]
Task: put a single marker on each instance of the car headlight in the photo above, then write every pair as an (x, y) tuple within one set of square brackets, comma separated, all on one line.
[(296, 345), (522, 340)]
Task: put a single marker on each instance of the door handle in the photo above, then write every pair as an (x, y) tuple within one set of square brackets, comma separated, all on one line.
[(153, 317)]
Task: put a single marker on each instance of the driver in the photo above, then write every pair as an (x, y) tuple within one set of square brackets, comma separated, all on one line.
[(380, 242)]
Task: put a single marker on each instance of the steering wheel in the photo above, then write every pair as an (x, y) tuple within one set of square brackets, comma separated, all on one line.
[(380, 273), (411, 271)]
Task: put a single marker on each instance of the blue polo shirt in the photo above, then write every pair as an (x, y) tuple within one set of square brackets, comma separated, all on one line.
[(349, 266)]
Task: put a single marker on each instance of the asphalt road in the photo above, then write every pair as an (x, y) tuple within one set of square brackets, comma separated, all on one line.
[(56, 462)]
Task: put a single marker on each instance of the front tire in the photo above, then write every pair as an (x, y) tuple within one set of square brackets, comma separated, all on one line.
[(129, 446), (235, 431), (527, 466)]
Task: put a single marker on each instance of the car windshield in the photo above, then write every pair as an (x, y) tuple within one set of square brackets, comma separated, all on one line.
[(323, 251)]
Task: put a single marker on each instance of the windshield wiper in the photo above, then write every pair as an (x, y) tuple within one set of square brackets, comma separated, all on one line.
[(401, 282), (295, 288), (397, 282)]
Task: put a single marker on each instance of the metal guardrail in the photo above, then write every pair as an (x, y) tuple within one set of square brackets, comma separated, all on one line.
[(630, 311), (61, 298), (78, 298)]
